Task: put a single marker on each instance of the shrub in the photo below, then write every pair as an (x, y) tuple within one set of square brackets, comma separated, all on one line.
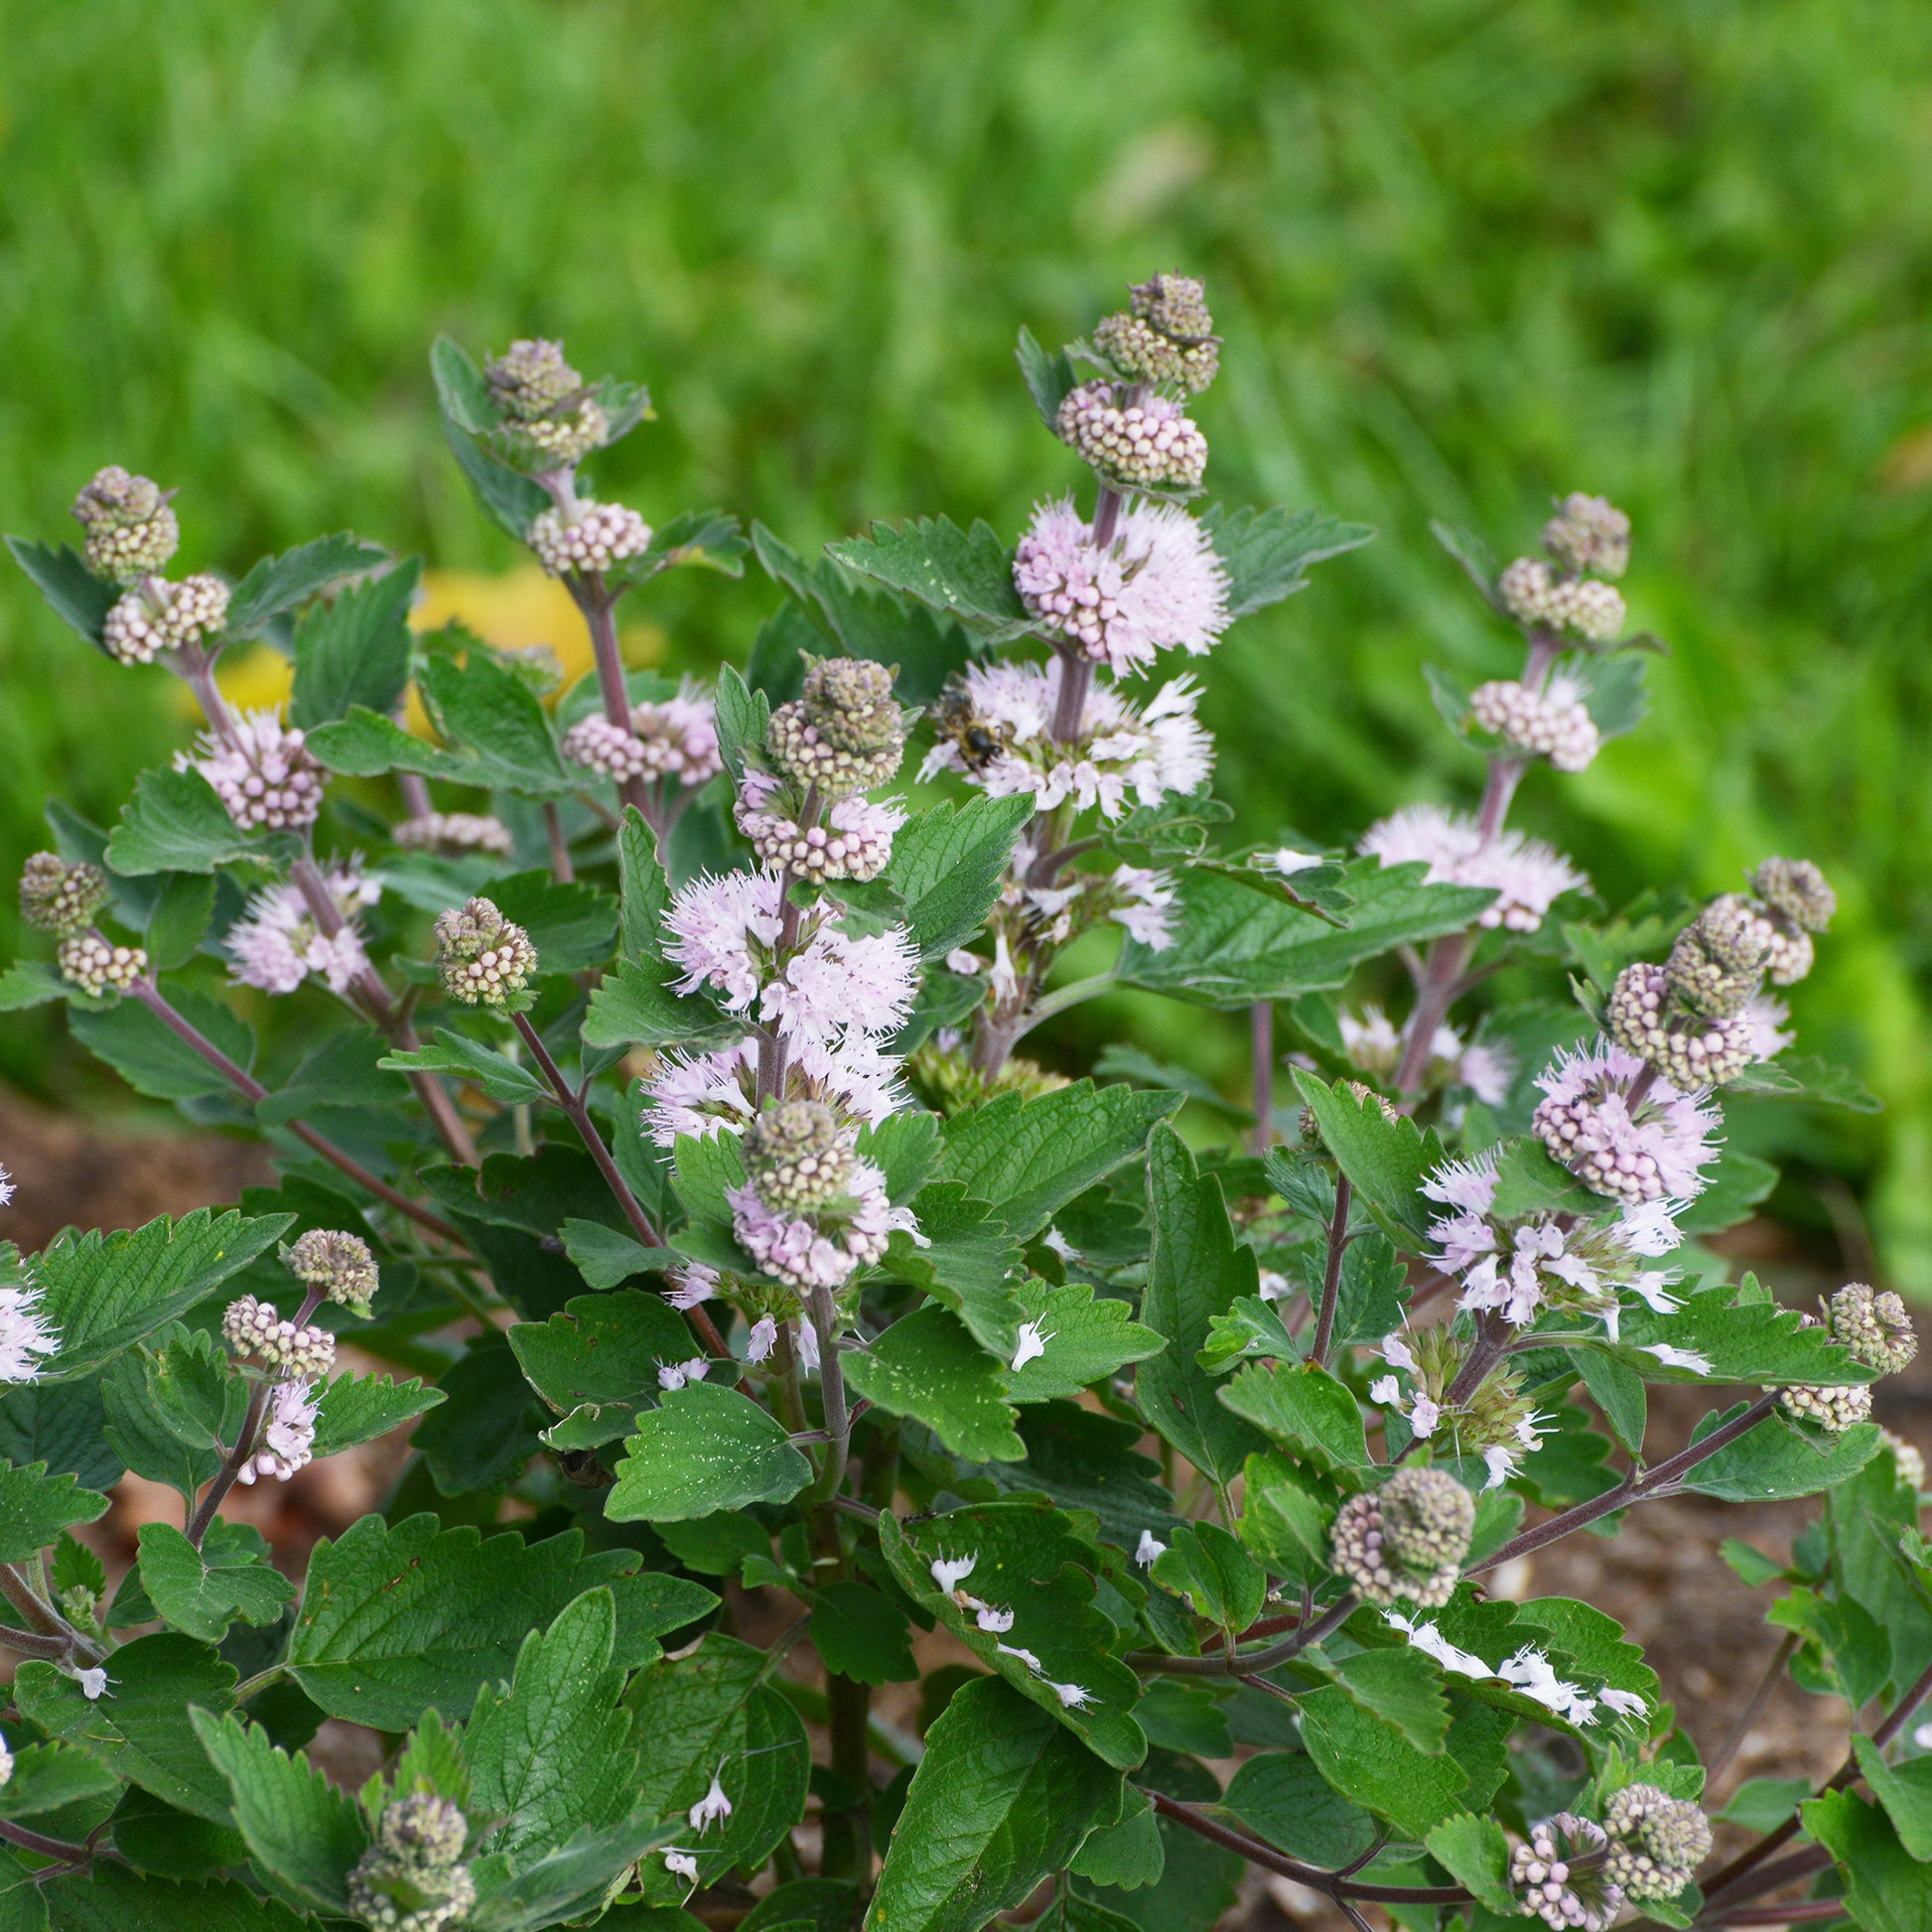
[(659, 1107)]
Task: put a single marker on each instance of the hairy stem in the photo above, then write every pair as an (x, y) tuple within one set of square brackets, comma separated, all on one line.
[(57, 1849), (231, 1468), (1752, 1710), (1261, 1054), (245, 1084), (1251, 1662), (599, 604), (1324, 1327), (561, 868), (831, 1381)]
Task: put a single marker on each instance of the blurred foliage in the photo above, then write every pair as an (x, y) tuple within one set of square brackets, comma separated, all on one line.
[(1465, 254)]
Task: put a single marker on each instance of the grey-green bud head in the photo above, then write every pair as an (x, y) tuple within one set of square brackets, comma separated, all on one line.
[(1588, 533), (531, 379), (394, 1895), (55, 897), (1715, 966), (482, 957), (424, 1828), (1175, 305), (1427, 1518), (1798, 890), (1732, 934), (1139, 352), (131, 530), (1875, 1327), (851, 700), (797, 1158), (338, 1263), (1661, 1841)]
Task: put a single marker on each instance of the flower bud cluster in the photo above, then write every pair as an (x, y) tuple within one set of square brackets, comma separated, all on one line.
[(1793, 900), (1553, 723), (677, 739), (810, 1210), (1169, 336), (455, 832), (95, 965), (797, 1155), (853, 840), (1406, 1540), (551, 422), (1588, 533), (482, 957), (156, 617), (265, 773), (55, 897), (1651, 1147), (412, 1878), (844, 733), (1661, 1841), (1556, 1886), (257, 1330), (1533, 594), (1877, 1332), (596, 536), (1145, 445), (131, 529), (337, 1263)]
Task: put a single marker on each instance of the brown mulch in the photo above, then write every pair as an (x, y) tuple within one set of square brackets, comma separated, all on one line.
[(1700, 1628)]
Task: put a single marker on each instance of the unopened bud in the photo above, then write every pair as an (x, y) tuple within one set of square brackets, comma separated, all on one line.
[(338, 1263), (257, 1329), (601, 534), (424, 1828), (1147, 445), (1139, 352), (1406, 1540), (1662, 1841), (1580, 606), (1690, 1050), (95, 965), (1175, 305), (531, 379), (154, 617), (845, 733), (796, 1156), (1588, 533), (1798, 890), (1875, 1327), (1833, 1408), (55, 897), (483, 958), (131, 530)]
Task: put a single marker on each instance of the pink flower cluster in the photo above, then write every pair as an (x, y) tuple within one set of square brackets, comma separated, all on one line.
[(279, 944), (1527, 876), (818, 1250), (264, 774)]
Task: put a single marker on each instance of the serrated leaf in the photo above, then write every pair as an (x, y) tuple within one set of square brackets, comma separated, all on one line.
[(1613, 688), (182, 909), (1284, 1797), (1235, 946), (76, 1567), (606, 1258), (501, 1078), (1372, 1764), (1385, 1155), (1028, 1158), (104, 1293), (136, 1730), (176, 822), (47, 1777), (1048, 375), (1267, 553), (31, 983), (1003, 1797), (966, 575), (1905, 1791), (964, 1263), (1302, 1408), (1886, 1888), (201, 1591), (1528, 1181), (1086, 1338), (1475, 1853), (354, 651), (486, 1433), (357, 1409), (1774, 1461), (1206, 1565), (1475, 555), (703, 1448), (168, 1410), (1731, 1190), (499, 721), (1196, 1271), (1803, 1076), (395, 1618), (742, 716), (366, 743), (35, 1507), (1128, 1854), (109, 1897), (565, 1883), (947, 866), (572, 925), (595, 1361), (927, 1365), (1404, 1689), (304, 1837), (277, 584), (1746, 1340), (152, 1059), (75, 595), (860, 1633), (714, 539)]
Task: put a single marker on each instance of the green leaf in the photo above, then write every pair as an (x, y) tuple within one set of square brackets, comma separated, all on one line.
[(553, 1756), (176, 822), (1284, 1514), (1195, 1270), (150, 1058), (498, 720), (182, 909), (168, 1410), (303, 1835), (1404, 1689), (35, 1507), (1049, 377), (1236, 944), (1088, 1337), (396, 1618), (1373, 1764), (573, 927), (965, 1264), (76, 1567), (1267, 553), (1905, 1791), (136, 1730), (500, 1077), (1802, 1076), (717, 1546), (1886, 1888), (1475, 557), (1030, 1157), (712, 538), (1733, 1187), (636, 1007), (58, 1424), (1206, 1565), (357, 1409), (514, 501), (967, 576), (1747, 1337), (78, 597), (32, 983), (1030, 1560), (1475, 1853), (201, 1591), (744, 717), (1302, 1408), (1763, 1804), (344, 1070), (277, 584), (1183, 1717), (607, 1258), (111, 1898), (928, 1366), (1128, 1854), (356, 649), (594, 1362), (1617, 1390), (366, 743), (565, 1883), (486, 1433), (1774, 1461), (1385, 1155), (47, 1777), (644, 892), (947, 866), (704, 1449), (105, 1292), (1283, 1796), (860, 1633), (1002, 1798)]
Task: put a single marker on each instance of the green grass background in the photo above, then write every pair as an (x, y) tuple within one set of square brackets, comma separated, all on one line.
[(1465, 255)]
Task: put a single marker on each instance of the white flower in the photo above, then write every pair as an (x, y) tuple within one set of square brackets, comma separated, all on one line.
[(997, 1621), (1060, 1245), (288, 1440), (963, 962), (1424, 1415), (1527, 876), (840, 982), (1637, 1155), (1026, 1657), (1002, 979), (278, 943), (950, 1572), (6, 1189), (681, 1864), (93, 1682), (24, 1335), (6, 1764), (1386, 1390), (1396, 1353), (1074, 1696), (1502, 1461), (694, 1283), (1532, 1673), (1148, 1549), (807, 1347), (1627, 1704), (1679, 1357), (1031, 1344), (713, 1808), (1425, 1637), (674, 1375), (1288, 862), (763, 1339), (1147, 914)]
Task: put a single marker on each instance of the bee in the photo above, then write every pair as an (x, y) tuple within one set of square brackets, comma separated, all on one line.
[(977, 740)]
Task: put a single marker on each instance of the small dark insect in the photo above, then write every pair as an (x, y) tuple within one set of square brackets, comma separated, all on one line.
[(978, 740)]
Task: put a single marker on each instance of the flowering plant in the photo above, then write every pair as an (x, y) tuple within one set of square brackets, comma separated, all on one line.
[(659, 1137)]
